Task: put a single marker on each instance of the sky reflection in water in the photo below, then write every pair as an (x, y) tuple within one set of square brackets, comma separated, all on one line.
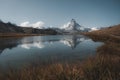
[(60, 48)]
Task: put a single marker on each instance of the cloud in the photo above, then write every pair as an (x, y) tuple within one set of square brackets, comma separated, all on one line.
[(65, 25), (38, 24), (25, 24)]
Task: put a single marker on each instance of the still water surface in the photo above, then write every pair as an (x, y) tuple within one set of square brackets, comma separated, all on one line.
[(16, 52)]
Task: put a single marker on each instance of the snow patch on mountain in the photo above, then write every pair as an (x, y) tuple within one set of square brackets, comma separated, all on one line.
[(72, 25), (94, 28)]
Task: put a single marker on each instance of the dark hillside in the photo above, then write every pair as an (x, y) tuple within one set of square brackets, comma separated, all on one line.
[(12, 28), (9, 28)]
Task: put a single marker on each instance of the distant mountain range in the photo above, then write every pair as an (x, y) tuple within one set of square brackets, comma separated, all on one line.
[(73, 27), (69, 28)]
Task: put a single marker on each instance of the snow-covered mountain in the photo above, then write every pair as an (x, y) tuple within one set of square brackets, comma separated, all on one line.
[(73, 26)]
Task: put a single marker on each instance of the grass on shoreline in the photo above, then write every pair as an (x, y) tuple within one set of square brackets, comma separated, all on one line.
[(101, 67), (18, 35), (104, 66), (111, 34)]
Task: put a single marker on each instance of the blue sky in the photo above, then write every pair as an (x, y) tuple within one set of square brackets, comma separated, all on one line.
[(88, 13)]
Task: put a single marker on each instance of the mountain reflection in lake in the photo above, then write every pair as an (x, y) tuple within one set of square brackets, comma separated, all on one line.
[(15, 52)]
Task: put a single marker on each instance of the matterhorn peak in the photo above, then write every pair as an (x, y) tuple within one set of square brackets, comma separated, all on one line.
[(72, 25), (73, 21)]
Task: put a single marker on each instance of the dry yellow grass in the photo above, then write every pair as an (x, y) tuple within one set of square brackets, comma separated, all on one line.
[(100, 67), (104, 66), (111, 34), (113, 30)]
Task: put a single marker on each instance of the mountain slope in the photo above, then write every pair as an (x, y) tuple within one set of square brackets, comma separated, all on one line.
[(113, 30), (73, 25), (9, 28), (12, 28), (111, 34)]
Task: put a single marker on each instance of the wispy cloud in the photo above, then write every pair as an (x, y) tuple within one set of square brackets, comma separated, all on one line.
[(38, 24), (65, 25)]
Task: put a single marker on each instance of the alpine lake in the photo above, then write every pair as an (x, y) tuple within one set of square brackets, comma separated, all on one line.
[(18, 52)]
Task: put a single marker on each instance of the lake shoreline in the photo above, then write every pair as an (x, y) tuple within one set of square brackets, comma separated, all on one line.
[(104, 65), (6, 35)]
